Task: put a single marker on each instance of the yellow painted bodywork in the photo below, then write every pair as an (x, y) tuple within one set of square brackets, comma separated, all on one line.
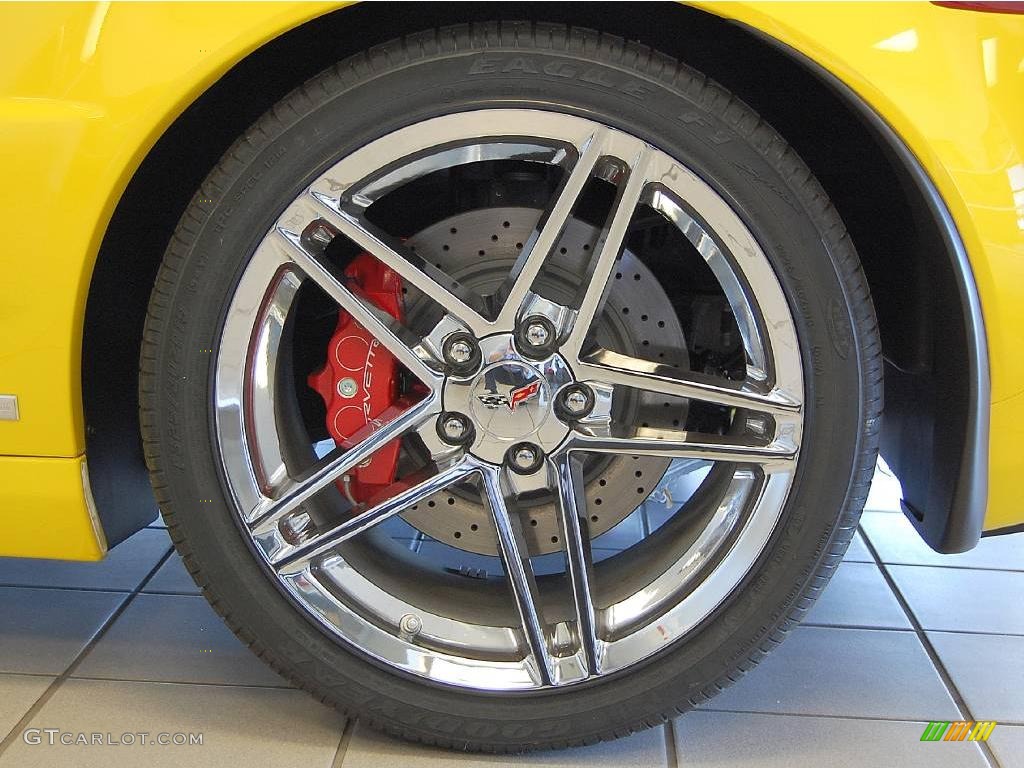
[(951, 84), (86, 89), (49, 500)]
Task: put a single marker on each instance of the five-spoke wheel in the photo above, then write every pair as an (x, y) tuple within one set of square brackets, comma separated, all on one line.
[(510, 387), (516, 395)]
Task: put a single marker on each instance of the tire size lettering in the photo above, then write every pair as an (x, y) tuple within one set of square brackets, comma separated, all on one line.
[(567, 70)]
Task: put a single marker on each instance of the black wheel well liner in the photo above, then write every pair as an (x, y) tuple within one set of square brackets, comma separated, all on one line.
[(935, 432)]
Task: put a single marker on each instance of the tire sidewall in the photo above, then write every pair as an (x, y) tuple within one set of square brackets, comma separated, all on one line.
[(349, 107)]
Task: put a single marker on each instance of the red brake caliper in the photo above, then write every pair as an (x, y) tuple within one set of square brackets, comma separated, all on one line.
[(360, 380)]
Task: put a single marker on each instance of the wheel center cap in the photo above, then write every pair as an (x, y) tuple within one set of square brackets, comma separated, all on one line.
[(510, 399)]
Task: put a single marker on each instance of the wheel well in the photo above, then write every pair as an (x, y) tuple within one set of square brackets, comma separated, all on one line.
[(899, 227)]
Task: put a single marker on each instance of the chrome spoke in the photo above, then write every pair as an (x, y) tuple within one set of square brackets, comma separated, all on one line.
[(380, 325), (531, 409), (416, 271), (298, 557), (567, 476), (622, 370), (516, 559), (676, 444), (607, 250), (295, 491), (542, 243)]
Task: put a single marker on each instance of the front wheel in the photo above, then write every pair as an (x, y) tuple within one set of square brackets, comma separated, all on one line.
[(511, 387)]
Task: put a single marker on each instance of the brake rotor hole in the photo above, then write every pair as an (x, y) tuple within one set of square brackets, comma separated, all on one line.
[(576, 248)]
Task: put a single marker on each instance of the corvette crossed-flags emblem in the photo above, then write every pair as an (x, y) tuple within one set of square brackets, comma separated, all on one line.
[(513, 399)]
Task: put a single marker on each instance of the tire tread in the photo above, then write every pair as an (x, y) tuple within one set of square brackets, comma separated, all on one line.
[(604, 48)]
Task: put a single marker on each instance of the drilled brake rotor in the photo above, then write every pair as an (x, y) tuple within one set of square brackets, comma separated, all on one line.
[(478, 248)]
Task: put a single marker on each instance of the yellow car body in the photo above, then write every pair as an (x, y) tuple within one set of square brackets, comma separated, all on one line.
[(88, 89)]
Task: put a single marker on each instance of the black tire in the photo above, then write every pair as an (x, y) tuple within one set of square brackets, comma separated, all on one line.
[(624, 85)]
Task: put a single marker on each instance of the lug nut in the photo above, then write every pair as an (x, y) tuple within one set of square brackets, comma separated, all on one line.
[(461, 353), (758, 425), (576, 401), (536, 336), (524, 458), (454, 428)]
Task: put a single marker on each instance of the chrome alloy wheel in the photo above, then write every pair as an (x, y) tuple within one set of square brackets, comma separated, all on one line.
[(528, 343)]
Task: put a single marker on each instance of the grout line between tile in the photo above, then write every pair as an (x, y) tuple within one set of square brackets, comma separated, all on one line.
[(268, 687), (25, 674), (153, 571), (873, 628), (51, 689), (867, 542), (972, 632), (958, 567), (343, 742), (671, 753), (947, 680), (247, 686), (873, 718), (107, 590), (869, 627)]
